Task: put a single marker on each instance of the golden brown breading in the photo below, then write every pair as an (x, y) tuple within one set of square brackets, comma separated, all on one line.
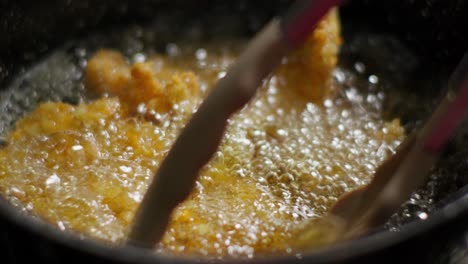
[(308, 70)]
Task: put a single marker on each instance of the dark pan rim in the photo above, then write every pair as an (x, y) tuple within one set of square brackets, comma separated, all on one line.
[(342, 252)]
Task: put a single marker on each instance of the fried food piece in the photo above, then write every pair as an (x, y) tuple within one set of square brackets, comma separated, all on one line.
[(107, 72), (308, 70), (160, 87), (153, 86), (83, 167)]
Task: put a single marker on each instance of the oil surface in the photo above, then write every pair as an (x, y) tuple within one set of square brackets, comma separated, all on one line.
[(284, 161)]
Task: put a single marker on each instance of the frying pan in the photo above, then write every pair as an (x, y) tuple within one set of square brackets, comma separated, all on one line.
[(433, 31)]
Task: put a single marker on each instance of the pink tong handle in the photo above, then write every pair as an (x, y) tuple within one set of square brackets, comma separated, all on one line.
[(452, 110)]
